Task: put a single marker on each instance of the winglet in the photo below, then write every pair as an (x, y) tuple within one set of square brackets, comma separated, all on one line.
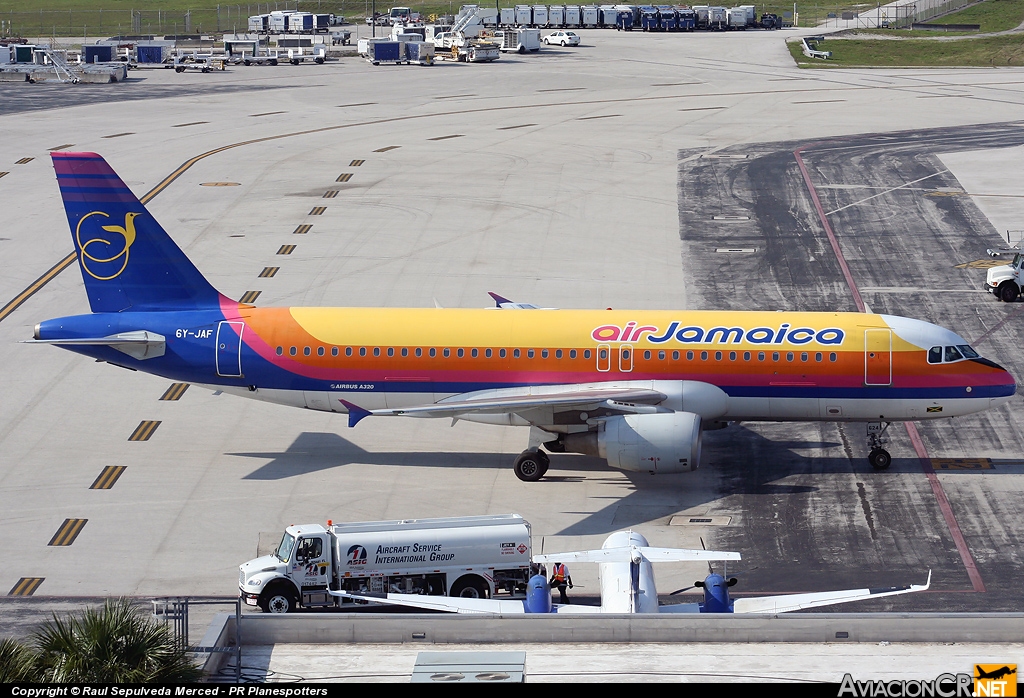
[(498, 300), (355, 413)]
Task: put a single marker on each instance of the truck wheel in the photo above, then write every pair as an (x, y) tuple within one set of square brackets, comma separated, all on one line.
[(278, 601), (470, 587), (1008, 292)]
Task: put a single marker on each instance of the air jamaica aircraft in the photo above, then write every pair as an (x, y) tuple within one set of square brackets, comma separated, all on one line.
[(635, 387)]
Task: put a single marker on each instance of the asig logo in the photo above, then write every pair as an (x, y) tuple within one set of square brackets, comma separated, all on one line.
[(694, 334), (356, 555)]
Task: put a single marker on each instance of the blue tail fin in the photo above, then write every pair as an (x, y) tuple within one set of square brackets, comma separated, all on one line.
[(128, 261)]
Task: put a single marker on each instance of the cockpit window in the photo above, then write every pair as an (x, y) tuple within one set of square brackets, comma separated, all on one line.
[(1016, 261), (968, 352), (953, 354), (935, 355)]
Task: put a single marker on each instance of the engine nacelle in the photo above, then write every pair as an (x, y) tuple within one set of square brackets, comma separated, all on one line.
[(664, 442)]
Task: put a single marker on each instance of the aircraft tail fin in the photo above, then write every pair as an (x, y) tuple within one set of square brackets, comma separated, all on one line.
[(128, 260)]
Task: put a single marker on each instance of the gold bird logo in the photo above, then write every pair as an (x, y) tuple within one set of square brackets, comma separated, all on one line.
[(91, 260)]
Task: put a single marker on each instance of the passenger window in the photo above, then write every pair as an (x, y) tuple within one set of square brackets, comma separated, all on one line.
[(432, 352), (376, 351), (487, 353), (760, 356), (675, 356), (625, 354), (833, 356), (292, 351), (515, 353), (603, 353), (543, 353), (319, 351), (446, 352), (661, 356), (775, 356), (803, 356), (572, 353), (718, 356), (586, 353), (529, 353), (474, 353), (460, 353), (789, 356), (558, 353), (746, 356), (953, 354), (348, 351), (405, 351), (419, 351), (732, 356), (502, 353), (689, 356), (391, 351), (362, 351), (647, 355), (305, 351), (280, 351), (334, 351), (817, 356)]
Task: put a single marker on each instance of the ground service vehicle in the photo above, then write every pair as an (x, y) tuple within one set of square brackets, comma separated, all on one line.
[(1004, 281), (469, 556)]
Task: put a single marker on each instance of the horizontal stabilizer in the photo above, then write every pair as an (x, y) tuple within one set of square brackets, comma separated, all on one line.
[(629, 553), (785, 603), (139, 344)]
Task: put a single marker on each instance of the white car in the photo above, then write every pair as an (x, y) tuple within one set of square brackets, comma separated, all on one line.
[(563, 39)]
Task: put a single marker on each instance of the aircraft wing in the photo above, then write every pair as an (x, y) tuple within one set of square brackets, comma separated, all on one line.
[(495, 402), (625, 554), (455, 604), (794, 602), (451, 604)]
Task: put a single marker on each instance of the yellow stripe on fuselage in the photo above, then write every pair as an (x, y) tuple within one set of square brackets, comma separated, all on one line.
[(576, 328)]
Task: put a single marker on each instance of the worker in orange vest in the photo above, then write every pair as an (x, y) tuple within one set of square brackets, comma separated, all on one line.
[(560, 578)]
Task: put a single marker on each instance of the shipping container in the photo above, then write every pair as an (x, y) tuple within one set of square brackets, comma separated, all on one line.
[(149, 54), (589, 16), (507, 18), (386, 52), (556, 16), (524, 15), (686, 20), (573, 17), (420, 52), (540, 15), (259, 23), (90, 54)]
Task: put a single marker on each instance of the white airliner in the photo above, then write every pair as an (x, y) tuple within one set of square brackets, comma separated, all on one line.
[(627, 586)]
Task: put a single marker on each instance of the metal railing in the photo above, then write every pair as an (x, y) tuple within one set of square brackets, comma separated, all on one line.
[(174, 611)]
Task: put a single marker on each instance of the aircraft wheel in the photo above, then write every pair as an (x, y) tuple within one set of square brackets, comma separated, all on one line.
[(530, 466), (1008, 292), (880, 459)]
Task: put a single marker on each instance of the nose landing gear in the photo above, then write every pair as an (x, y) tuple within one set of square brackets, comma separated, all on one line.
[(879, 458)]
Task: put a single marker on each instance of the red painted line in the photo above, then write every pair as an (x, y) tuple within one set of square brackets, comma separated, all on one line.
[(828, 231), (947, 510), (915, 437)]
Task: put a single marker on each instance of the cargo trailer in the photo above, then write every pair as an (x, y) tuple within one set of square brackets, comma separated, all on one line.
[(540, 15), (589, 16), (524, 15), (507, 17), (572, 16), (556, 16)]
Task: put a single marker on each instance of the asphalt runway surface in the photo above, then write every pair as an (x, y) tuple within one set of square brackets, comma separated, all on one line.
[(586, 178)]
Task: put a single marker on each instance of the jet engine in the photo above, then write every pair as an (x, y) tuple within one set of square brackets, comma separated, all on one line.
[(662, 442)]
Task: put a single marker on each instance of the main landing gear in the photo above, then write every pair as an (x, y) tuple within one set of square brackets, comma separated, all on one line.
[(531, 465), (878, 457)]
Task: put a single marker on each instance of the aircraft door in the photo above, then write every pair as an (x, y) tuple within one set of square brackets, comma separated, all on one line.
[(878, 357), (229, 348), (604, 357), (625, 358)]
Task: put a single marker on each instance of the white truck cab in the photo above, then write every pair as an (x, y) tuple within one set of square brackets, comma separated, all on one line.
[(1004, 281)]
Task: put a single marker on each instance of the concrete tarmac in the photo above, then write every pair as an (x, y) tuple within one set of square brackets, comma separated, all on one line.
[(574, 178)]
